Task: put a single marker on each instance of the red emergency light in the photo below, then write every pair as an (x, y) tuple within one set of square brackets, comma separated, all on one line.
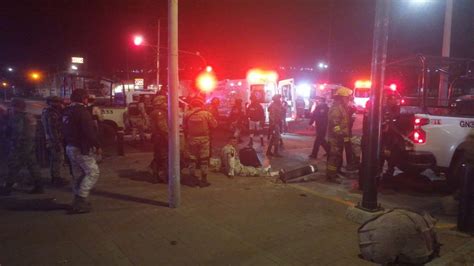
[(393, 87)]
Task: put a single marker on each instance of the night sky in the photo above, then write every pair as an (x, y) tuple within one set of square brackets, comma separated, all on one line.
[(233, 35)]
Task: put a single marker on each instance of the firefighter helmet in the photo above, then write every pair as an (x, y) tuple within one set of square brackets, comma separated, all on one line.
[(344, 92)]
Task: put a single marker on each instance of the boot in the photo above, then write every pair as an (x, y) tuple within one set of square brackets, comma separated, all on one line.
[(262, 142), (37, 189), (80, 205), (203, 182)]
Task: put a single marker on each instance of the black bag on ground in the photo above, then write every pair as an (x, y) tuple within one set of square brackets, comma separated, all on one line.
[(248, 157)]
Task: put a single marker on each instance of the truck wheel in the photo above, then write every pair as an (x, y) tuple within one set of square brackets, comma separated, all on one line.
[(454, 175)]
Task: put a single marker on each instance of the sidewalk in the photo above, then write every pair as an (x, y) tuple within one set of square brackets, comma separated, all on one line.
[(243, 221)]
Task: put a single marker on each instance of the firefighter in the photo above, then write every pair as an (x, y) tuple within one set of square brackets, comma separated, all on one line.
[(159, 130), (256, 117), (276, 111), (319, 117), (352, 159), (198, 123), (20, 135), (236, 118), (51, 118), (338, 132)]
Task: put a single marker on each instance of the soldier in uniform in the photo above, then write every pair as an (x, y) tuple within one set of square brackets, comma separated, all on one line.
[(338, 132), (256, 116), (276, 111), (231, 165), (159, 130), (320, 118), (198, 123), (20, 130), (51, 120), (82, 147)]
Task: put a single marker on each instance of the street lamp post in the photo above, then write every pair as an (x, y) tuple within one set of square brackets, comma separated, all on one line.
[(174, 188), (158, 56), (372, 153)]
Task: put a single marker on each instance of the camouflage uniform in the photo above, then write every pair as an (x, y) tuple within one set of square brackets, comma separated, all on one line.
[(197, 126), (231, 164), (20, 133), (159, 129), (338, 133), (51, 120)]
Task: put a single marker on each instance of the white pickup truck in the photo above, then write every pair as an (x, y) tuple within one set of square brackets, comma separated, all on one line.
[(436, 141)]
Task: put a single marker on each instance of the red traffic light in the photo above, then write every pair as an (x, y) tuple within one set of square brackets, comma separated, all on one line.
[(138, 40)]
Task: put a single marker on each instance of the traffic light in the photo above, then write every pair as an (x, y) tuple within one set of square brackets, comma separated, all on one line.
[(138, 40)]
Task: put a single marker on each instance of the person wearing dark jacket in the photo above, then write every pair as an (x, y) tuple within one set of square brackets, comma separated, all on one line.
[(82, 145), (319, 117), (256, 116)]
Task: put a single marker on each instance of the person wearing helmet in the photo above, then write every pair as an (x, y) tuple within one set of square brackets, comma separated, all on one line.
[(213, 107), (159, 131), (51, 119), (338, 132), (276, 111), (198, 123), (20, 134)]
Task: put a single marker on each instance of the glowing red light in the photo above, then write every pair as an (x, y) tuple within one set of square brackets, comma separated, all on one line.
[(208, 69), (138, 40), (206, 82), (393, 87), (417, 121)]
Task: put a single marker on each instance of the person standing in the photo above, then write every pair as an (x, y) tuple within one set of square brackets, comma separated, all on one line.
[(159, 131), (51, 119), (82, 145), (198, 123), (338, 132), (256, 116), (20, 135), (236, 118), (319, 117), (276, 111)]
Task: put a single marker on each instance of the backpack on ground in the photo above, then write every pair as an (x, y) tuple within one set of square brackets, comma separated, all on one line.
[(399, 236), (248, 157)]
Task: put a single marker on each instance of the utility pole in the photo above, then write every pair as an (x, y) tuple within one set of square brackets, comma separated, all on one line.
[(372, 156), (174, 188), (443, 89), (158, 57)]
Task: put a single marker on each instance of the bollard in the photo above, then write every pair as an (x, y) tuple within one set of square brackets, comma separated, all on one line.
[(285, 176), (466, 200), (120, 149)]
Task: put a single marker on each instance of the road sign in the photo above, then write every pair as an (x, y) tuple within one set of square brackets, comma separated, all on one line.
[(139, 82), (77, 60)]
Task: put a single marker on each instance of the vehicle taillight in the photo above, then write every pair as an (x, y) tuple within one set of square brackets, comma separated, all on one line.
[(418, 136)]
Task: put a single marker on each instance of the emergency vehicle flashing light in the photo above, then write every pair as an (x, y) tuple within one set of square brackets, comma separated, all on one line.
[(206, 82), (393, 87), (255, 76), (363, 84)]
